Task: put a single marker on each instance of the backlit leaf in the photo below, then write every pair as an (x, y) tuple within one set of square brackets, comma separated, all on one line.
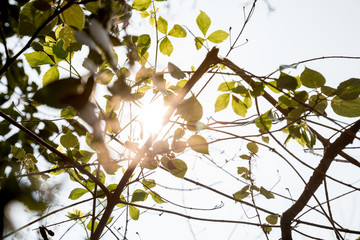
[(222, 102), (69, 140), (68, 35), (51, 75), (177, 31), (134, 212), (238, 106), (141, 5), (266, 193), (312, 79), (175, 72), (74, 16), (143, 43), (243, 193), (218, 36), (349, 89), (104, 76), (203, 21), (148, 183), (177, 167), (198, 144), (17, 152), (139, 195), (31, 18), (272, 219), (166, 47), (162, 25), (68, 113), (286, 81), (38, 58), (59, 51), (199, 41), (226, 86), (190, 109), (252, 147), (156, 197), (77, 193), (349, 108), (318, 102)]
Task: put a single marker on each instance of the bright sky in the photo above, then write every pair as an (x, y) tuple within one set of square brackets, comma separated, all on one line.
[(294, 31)]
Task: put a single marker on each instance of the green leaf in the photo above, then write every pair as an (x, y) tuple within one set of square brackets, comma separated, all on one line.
[(226, 86), (162, 25), (69, 140), (38, 58), (318, 102), (242, 170), (139, 195), (312, 79), (134, 212), (218, 36), (190, 109), (267, 229), (77, 193), (349, 89), (203, 21), (89, 225), (31, 18), (199, 41), (68, 113), (198, 144), (143, 43), (51, 75), (238, 106), (243, 193), (252, 147), (222, 102), (156, 197), (286, 81), (272, 219), (74, 16), (18, 153), (68, 35), (328, 91), (175, 72), (148, 183), (141, 5), (265, 139), (266, 193), (177, 31), (350, 108), (166, 47), (84, 157), (59, 51), (177, 167)]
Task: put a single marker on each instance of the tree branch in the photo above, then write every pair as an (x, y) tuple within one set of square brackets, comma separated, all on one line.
[(331, 151)]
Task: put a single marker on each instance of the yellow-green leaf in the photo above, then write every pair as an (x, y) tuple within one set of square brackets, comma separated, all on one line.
[(266, 193), (139, 195), (203, 21), (252, 147), (141, 5), (346, 108), (51, 75), (69, 140), (166, 46), (190, 109), (218, 36), (222, 102), (199, 41), (198, 144), (77, 193), (243, 193), (134, 212), (162, 25), (74, 16), (238, 106), (177, 31), (38, 58)]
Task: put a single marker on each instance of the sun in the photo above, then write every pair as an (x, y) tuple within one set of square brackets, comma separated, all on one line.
[(152, 116)]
